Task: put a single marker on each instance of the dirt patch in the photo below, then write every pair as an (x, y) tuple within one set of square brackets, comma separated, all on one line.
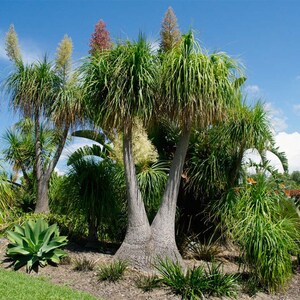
[(126, 288)]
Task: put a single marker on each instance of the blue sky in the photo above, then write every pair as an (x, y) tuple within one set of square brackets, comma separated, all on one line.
[(263, 35)]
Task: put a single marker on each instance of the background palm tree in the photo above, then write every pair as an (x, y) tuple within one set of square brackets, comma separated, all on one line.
[(19, 151), (93, 192), (48, 94)]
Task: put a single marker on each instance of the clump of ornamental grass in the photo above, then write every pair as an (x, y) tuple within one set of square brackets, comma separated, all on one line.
[(112, 272), (196, 282), (207, 250), (84, 264), (148, 283)]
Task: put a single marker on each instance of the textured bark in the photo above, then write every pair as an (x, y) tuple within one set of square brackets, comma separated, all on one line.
[(92, 239), (144, 244), (42, 203), (43, 174), (163, 226), (135, 247)]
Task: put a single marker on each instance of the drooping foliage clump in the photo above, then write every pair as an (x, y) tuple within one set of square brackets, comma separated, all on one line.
[(265, 225)]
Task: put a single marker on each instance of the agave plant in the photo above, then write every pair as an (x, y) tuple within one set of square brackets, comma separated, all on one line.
[(35, 244)]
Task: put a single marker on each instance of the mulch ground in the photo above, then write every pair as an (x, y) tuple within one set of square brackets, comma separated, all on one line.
[(126, 288)]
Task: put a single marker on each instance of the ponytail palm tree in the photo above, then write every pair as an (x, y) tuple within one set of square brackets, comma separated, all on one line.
[(189, 87), (31, 88), (47, 94), (196, 90), (121, 86)]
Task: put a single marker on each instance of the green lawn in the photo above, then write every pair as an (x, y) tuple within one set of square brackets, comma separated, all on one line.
[(18, 286)]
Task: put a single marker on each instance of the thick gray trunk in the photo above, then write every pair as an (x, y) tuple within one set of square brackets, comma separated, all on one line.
[(163, 226), (144, 244), (135, 247), (42, 201), (43, 174)]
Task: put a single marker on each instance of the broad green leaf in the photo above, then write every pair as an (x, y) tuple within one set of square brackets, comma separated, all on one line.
[(49, 232), (14, 237), (19, 229), (17, 250), (29, 234)]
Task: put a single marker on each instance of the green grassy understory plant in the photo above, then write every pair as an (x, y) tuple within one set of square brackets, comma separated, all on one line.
[(112, 272), (197, 282), (84, 264), (266, 227), (206, 250), (148, 283), (35, 244)]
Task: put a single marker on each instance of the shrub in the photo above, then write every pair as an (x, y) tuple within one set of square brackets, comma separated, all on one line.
[(112, 272), (147, 283), (84, 264), (35, 244), (220, 284), (65, 260), (189, 285), (250, 284), (73, 226), (196, 282), (266, 227), (207, 251)]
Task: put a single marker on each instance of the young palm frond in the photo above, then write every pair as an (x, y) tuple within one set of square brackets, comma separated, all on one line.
[(152, 179)]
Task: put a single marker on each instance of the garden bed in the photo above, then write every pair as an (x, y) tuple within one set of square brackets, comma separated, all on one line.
[(126, 288)]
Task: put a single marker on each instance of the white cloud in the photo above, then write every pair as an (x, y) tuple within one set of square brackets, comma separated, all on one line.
[(30, 51), (276, 117), (252, 90), (288, 143), (296, 108)]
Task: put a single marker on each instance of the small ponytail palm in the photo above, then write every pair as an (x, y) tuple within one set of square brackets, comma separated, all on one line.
[(35, 244)]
